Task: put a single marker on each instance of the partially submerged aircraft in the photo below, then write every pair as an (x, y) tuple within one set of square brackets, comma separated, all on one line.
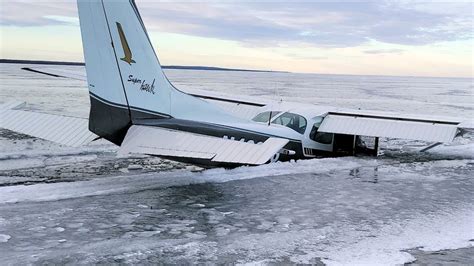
[(135, 106)]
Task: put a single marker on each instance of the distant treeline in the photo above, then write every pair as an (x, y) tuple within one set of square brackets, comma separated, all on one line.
[(40, 62)]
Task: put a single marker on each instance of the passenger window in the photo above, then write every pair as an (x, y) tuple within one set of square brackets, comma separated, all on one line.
[(293, 121), (265, 116), (321, 137)]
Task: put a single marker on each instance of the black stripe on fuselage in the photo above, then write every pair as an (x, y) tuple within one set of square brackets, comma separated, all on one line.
[(133, 109), (118, 105)]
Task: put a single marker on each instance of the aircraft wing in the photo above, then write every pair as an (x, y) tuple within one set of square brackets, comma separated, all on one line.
[(69, 131), (376, 125), (173, 143)]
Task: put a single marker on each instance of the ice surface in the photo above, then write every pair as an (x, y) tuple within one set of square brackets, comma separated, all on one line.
[(364, 211), (352, 210), (119, 184)]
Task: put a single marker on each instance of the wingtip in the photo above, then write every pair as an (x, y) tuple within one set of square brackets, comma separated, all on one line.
[(12, 105)]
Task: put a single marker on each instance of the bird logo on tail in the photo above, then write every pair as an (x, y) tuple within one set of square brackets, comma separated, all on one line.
[(126, 49)]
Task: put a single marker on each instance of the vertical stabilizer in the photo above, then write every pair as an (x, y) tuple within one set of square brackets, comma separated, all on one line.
[(125, 78), (109, 115), (126, 81)]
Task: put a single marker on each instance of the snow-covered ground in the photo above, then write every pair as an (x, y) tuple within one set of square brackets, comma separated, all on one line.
[(352, 210)]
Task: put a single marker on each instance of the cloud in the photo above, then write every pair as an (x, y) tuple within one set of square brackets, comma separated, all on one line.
[(384, 51), (306, 56), (72, 21), (35, 13), (268, 23)]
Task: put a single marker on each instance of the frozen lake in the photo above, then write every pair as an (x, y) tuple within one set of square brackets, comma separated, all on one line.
[(62, 205)]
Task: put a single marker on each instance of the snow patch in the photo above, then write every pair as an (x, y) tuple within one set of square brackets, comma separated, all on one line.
[(4, 238), (446, 230)]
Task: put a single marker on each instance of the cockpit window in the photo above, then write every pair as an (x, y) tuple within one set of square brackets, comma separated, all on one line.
[(321, 137), (293, 121), (265, 116)]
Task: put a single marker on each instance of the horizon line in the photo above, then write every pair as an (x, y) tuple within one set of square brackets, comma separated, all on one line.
[(216, 68)]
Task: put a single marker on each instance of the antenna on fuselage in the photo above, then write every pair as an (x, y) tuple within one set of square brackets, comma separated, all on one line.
[(277, 90), (277, 93)]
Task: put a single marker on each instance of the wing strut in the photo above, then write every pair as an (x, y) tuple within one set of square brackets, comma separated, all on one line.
[(431, 146)]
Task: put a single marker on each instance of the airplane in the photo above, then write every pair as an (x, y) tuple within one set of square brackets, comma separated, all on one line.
[(135, 106)]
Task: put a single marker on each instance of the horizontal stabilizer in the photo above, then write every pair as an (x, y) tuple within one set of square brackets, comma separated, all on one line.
[(390, 127), (58, 72), (166, 142), (69, 131)]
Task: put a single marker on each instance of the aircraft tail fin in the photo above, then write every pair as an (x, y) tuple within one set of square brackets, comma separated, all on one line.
[(124, 76), (126, 81)]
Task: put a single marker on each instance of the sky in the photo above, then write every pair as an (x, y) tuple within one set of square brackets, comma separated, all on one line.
[(403, 38)]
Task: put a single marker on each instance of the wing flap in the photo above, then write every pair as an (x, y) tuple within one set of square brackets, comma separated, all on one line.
[(167, 142), (69, 131), (391, 127)]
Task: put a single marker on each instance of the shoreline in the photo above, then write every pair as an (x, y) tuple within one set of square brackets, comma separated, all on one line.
[(63, 63)]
